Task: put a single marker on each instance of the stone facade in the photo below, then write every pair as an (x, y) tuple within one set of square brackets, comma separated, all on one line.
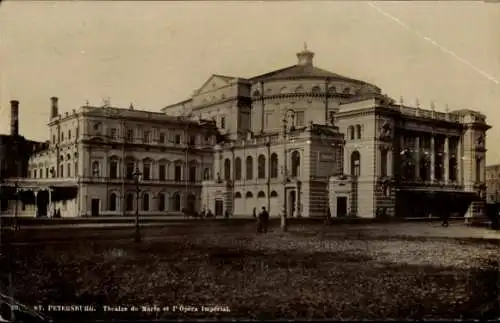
[(98, 149), (390, 153)]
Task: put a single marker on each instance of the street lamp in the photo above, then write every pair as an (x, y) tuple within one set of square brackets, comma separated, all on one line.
[(285, 171), (137, 175)]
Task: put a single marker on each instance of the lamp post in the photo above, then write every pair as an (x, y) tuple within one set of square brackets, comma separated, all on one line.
[(137, 174), (15, 211), (285, 170)]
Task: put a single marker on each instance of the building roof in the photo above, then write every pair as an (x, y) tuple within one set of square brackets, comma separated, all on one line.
[(302, 71)]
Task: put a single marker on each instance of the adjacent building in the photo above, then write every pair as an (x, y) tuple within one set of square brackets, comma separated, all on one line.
[(493, 183), (95, 154)]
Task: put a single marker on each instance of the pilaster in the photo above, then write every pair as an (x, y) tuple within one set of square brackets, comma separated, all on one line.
[(446, 161), (433, 159)]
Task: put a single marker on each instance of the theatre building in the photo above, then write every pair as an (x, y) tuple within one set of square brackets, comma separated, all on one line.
[(305, 141)]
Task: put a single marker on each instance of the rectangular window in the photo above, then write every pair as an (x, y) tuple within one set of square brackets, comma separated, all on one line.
[(192, 140), (162, 172), (177, 139), (146, 136), (113, 170), (162, 137), (300, 120), (130, 170), (223, 122), (383, 163), (478, 170), (69, 134), (146, 172), (178, 173), (112, 133), (130, 135), (68, 171)]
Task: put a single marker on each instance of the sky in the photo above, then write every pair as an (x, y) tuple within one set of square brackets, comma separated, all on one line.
[(156, 53)]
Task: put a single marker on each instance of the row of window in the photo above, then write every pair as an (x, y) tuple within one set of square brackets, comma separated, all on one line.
[(147, 170), (261, 167), (62, 138), (65, 170), (300, 89), (164, 203), (354, 132)]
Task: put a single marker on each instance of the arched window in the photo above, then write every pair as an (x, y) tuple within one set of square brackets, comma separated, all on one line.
[(453, 169), (256, 93), (237, 169), (332, 90), (61, 170), (161, 202), (261, 194), (237, 195), (129, 202), (178, 172), (358, 131), (227, 169), (68, 157), (299, 89), (76, 169), (249, 167), (248, 195), (176, 202), (95, 169), (355, 164), (68, 169), (316, 90), (113, 168), (113, 201), (206, 174), (295, 164), (350, 132), (274, 166), (261, 167), (274, 194)]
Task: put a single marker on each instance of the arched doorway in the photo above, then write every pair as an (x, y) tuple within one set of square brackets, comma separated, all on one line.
[(191, 203)]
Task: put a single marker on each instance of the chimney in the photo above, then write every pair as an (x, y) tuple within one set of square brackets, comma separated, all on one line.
[(54, 111), (14, 118)]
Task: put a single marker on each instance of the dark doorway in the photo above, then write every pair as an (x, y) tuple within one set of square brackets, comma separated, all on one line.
[(42, 201), (341, 206), (219, 207), (191, 202), (95, 207), (292, 202)]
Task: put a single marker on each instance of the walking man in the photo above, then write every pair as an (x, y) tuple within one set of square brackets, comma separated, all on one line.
[(264, 219), (445, 220)]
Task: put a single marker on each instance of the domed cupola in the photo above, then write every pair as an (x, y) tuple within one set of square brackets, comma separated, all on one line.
[(305, 57)]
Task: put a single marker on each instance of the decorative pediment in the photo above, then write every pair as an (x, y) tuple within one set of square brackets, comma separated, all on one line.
[(214, 82)]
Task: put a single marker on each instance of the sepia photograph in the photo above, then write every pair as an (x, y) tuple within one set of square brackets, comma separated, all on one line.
[(249, 160)]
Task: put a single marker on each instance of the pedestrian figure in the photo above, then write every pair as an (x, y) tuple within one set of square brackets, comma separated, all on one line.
[(264, 219), (445, 220)]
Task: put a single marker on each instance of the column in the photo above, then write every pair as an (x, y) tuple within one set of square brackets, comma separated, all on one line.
[(417, 157), (433, 159), (50, 207), (36, 202), (459, 161), (390, 164), (446, 161)]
